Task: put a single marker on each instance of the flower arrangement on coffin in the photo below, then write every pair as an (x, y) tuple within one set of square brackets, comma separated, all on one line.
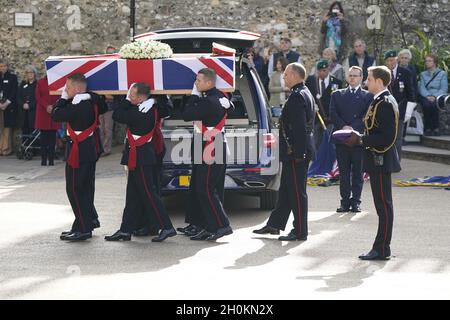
[(145, 50)]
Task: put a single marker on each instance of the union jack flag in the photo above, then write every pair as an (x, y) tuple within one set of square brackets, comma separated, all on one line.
[(111, 74)]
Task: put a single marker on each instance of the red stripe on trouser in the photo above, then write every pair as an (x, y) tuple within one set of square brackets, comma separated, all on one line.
[(298, 198), (385, 212), (219, 222), (158, 214), (80, 215)]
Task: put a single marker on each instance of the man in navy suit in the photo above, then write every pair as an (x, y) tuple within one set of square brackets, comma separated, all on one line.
[(347, 110), (402, 88)]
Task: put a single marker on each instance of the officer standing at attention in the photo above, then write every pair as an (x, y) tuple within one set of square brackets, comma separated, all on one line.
[(296, 151), (80, 109), (401, 87), (380, 156), (140, 114), (347, 110), (208, 108)]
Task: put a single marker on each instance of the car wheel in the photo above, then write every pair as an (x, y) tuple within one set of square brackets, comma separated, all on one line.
[(268, 200)]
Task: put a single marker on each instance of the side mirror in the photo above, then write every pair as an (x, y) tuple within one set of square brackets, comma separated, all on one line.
[(276, 112)]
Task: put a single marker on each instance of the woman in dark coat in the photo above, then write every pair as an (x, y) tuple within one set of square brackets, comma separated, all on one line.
[(8, 106), (26, 99)]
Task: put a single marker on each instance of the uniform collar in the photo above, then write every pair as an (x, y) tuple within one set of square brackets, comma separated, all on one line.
[(209, 92), (379, 94), (298, 86), (356, 88)]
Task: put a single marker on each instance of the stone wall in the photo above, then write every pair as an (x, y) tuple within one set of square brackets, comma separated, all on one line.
[(65, 27)]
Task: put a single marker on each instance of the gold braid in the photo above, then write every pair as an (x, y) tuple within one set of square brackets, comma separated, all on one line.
[(372, 113)]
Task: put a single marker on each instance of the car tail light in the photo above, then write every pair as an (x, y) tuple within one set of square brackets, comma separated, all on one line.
[(269, 140)]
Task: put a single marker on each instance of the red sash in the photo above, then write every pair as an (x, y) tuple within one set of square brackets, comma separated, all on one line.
[(132, 156), (210, 134), (74, 156)]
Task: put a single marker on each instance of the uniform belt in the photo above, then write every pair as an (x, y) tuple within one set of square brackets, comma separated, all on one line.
[(135, 137), (79, 132)]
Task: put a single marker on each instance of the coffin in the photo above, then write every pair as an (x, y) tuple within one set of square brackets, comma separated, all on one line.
[(109, 74)]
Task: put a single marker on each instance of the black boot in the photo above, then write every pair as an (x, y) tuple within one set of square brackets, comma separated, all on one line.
[(119, 235)]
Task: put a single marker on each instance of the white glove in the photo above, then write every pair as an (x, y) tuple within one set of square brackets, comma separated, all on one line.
[(145, 106), (225, 103), (409, 110), (81, 97), (129, 91), (195, 91), (64, 94)]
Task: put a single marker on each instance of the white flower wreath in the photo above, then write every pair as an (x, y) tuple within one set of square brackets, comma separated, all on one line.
[(145, 50)]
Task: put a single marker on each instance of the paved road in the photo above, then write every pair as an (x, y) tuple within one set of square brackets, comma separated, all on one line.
[(34, 263)]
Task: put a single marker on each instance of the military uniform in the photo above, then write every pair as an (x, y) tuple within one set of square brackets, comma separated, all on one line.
[(164, 107), (205, 207), (380, 160), (141, 158), (83, 151), (296, 151)]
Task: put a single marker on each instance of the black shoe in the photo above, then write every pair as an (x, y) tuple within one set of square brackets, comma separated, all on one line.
[(164, 234), (373, 255), (220, 233), (292, 236), (64, 234), (342, 209), (356, 208), (95, 224), (427, 132), (77, 236), (184, 229), (202, 235), (119, 235), (267, 230), (145, 232), (194, 230)]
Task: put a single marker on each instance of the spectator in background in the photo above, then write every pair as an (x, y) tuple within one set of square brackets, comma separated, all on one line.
[(402, 89), (277, 88), (334, 29), (8, 106), (404, 59), (432, 84), (26, 99), (44, 122), (106, 121), (336, 69), (255, 60), (359, 58), (286, 52), (322, 85), (267, 54)]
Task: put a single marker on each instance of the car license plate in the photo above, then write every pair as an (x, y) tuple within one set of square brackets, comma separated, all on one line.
[(184, 181)]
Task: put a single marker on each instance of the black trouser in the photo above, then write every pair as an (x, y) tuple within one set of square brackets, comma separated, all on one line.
[(381, 185), (143, 219), (194, 210), (79, 189), (48, 144), (142, 196), (206, 195), (430, 114), (350, 174), (399, 140), (292, 197)]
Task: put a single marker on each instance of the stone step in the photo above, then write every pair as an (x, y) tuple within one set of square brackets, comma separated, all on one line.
[(419, 152), (442, 142)]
